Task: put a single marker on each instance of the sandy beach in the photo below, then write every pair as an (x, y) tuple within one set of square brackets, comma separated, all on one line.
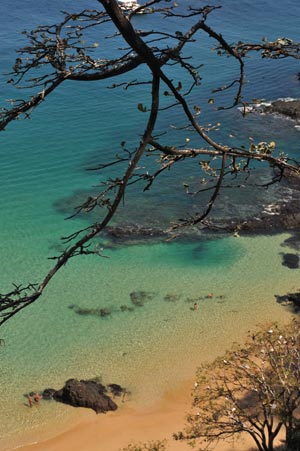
[(114, 431)]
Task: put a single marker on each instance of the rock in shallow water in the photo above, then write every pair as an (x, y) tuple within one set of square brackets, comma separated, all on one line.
[(89, 394), (291, 261), (48, 393)]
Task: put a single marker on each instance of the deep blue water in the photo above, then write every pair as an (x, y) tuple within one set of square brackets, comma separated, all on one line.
[(43, 176), (83, 124)]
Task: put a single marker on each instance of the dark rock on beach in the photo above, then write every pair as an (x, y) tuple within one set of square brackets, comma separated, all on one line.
[(89, 394)]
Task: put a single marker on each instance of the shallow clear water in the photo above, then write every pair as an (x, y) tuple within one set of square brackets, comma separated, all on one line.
[(151, 347), (42, 175)]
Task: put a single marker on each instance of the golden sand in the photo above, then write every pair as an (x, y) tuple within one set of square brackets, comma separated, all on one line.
[(114, 431)]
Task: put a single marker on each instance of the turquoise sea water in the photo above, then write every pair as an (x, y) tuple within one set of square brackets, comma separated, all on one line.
[(43, 175)]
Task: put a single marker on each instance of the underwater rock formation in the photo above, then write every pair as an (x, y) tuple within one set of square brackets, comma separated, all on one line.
[(290, 260), (135, 231), (170, 297), (138, 298), (104, 311), (291, 300)]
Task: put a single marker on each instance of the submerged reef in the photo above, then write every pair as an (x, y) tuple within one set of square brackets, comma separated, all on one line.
[(290, 260), (102, 312), (141, 298), (290, 300), (138, 298)]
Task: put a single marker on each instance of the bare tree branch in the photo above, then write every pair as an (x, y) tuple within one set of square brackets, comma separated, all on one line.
[(56, 54)]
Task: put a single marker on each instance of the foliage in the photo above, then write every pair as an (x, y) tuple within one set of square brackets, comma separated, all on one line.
[(253, 389), (157, 445)]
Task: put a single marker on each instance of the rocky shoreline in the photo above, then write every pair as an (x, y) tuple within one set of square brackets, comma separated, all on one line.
[(274, 213), (283, 214), (280, 216), (287, 108)]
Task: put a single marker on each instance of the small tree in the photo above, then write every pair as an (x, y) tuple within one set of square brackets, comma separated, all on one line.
[(254, 389), (157, 445)]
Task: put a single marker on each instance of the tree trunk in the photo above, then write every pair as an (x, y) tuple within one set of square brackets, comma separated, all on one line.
[(293, 440)]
